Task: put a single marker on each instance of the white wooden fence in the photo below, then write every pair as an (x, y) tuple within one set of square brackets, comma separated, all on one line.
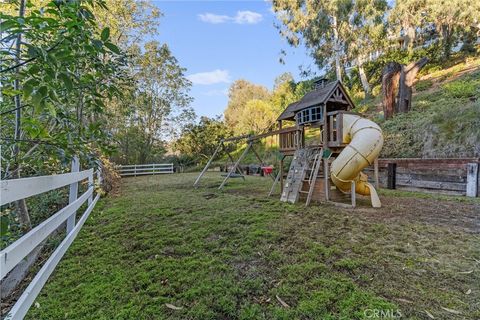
[(142, 169), (17, 189)]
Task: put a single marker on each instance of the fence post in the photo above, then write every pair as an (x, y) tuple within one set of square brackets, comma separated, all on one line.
[(375, 174), (472, 179), (352, 192), (134, 170), (99, 177), (73, 194), (90, 184), (392, 176)]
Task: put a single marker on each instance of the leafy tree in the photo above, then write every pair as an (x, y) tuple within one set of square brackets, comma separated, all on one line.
[(199, 141), (159, 107), (406, 18), (129, 21), (283, 92), (366, 35), (57, 69), (257, 116), (452, 19), (334, 31), (448, 20), (240, 92)]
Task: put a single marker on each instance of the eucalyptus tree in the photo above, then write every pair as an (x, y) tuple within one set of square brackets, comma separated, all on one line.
[(452, 20), (160, 104), (406, 18), (366, 35), (336, 31)]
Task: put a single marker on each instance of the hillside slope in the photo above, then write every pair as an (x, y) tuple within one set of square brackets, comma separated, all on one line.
[(444, 120)]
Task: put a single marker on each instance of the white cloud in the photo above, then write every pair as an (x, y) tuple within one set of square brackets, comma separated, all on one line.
[(248, 17), (210, 77), (242, 17), (213, 18)]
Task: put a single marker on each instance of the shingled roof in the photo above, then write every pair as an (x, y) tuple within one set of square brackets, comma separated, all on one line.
[(315, 97)]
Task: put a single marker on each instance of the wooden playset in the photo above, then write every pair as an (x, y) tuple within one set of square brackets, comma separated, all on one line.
[(330, 146)]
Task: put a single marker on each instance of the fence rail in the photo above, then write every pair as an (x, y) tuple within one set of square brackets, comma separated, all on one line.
[(144, 169), (455, 176), (10, 257)]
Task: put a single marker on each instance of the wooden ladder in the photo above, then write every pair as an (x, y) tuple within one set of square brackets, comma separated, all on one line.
[(317, 163)]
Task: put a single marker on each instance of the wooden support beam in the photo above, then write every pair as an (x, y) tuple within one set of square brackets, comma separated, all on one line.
[(258, 156), (245, 136), (273, 133), (326, 174), (472, 179), (275, 182), (240, 171), (281, 173), (392, 176), (236, 165), (208, 164), (375, 174), (353, 195)]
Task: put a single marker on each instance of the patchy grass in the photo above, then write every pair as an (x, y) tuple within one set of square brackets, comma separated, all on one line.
[(443, 122), (235, 254), (423, 85), (445, 116)]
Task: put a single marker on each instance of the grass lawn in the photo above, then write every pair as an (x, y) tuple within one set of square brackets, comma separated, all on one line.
[(162, 250)]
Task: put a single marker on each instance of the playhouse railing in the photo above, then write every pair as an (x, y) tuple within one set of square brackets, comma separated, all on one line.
[(10, 257), (290, 139)]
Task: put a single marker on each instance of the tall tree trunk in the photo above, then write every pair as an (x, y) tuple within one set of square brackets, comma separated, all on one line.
[(390, 78), (363, 78), (407, 77), (20, 205), (336, 48), (397, 82), (447, 41), (410, 38)]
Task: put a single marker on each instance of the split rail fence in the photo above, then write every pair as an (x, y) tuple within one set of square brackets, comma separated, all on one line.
[(17, 189), (144, 169)]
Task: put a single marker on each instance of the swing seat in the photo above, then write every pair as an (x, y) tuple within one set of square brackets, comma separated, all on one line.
[(234, 175)]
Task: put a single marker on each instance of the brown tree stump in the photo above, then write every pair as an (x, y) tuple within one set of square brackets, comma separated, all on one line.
[(397, 82), (390, 78)]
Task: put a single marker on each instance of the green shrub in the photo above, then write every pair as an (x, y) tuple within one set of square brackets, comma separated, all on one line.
[(460, 89), (423, 85), (377, 90)]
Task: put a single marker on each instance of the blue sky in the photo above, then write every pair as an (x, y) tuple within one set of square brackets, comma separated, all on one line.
[(222, 41)]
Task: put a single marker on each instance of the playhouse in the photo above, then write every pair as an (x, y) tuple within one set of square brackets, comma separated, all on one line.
[(330, 146)]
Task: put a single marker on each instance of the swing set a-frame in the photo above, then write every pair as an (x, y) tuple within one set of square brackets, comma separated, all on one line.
[(250, 140)]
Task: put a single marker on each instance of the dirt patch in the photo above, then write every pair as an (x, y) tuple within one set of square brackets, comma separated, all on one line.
[(459, 215)]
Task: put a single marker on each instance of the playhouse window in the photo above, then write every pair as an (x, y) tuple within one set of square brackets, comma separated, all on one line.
[(312, 114)]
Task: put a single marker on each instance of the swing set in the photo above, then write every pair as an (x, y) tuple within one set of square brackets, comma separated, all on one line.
[(235, 171)]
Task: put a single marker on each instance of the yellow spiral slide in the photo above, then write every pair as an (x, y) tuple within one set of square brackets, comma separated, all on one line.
[(365, 140)]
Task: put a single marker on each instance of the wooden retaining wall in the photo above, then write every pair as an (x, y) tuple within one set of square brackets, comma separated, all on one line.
[(446, 176)]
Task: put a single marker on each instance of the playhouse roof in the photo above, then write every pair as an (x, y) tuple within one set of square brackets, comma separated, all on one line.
[(315, 97)]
